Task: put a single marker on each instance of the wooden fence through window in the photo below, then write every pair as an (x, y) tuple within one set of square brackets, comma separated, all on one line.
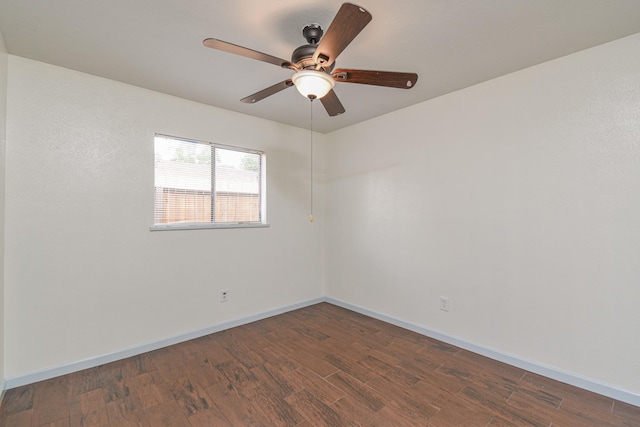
[(179, 205)]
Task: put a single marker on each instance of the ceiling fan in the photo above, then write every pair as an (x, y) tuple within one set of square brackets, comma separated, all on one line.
[(313, 63)]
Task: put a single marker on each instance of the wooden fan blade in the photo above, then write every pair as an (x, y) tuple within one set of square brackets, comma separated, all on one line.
[(267, 92), (332, 104), (378, 78), (346, 25), (248, 53)]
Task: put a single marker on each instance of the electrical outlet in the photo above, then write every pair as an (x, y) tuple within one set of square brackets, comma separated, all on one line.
[(224, 295), (444, 303)]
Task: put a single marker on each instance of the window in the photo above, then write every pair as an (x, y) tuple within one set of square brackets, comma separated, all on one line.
[(204, 185)]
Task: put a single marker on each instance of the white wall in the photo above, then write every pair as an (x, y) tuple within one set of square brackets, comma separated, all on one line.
[(3, 119), (519, 199), (84, 275)]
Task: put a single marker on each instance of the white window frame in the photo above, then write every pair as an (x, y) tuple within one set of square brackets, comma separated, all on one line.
[(219, 225)]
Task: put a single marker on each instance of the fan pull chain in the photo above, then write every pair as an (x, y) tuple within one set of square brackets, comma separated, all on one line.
[(311, 156)]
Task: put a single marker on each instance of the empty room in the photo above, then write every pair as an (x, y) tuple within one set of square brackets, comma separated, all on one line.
[(317, 213)]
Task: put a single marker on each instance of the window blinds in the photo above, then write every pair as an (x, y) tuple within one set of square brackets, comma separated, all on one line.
[(199, 182)]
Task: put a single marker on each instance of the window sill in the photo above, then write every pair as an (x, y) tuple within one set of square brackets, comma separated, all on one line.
[(207, 226)]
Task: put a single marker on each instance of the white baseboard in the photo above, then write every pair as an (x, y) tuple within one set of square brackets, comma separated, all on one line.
[(52, 372), (528, 365)]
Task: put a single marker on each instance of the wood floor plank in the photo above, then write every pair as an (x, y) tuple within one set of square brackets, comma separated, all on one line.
[(169, 363), (315, 411), (301, 356), (345, 364), (257, 339), (579, 405), (127, 412), (50, 401), (448, 402), (325, 312), (137, 365), (199, 368), (114, 384), (275, 409), (466, 375), (151, 389), (431, 358), (88, 410), (212, 349), (591, 402), (347, 332), (539, 408), (212, 417), (419, 366), (315, 384), (540, 397), (18, 400), (583, 412), (166, 414), (63, 422), (321, 365), (379, 352), (497, 404), (482, 363), (566, 391), (238, 410), (264, 326), (394, 373), (84, 381), (332, 346), (237, 347), (408, 402), (449, 380), (570, 417), (238, 375), (310, 332), (275, 379), (17, 419), (497, 421), (626, 414), (277, 358), (190, 397), (461, 416), (361, 416), (358, 390)]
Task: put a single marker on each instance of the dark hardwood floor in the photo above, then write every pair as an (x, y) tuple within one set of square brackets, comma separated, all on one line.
[(318, 366)]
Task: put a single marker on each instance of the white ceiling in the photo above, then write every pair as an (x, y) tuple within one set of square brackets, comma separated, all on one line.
[(451, 44)]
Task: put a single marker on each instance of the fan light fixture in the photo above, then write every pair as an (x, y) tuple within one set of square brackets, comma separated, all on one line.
[(313, 84)]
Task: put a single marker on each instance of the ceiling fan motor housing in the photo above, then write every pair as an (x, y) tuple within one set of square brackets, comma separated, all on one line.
[(312, 33), (303, 55)]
